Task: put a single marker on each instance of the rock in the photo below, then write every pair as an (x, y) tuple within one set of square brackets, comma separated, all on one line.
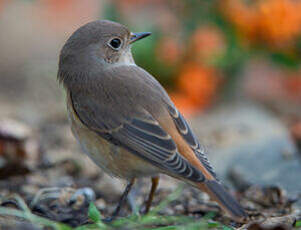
[(19, 148), (273, 223), (246, 138), (67, 205)]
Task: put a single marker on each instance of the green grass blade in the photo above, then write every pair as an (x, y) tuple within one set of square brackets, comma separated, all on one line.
[(298, 224), (93, 213), (95, 216)]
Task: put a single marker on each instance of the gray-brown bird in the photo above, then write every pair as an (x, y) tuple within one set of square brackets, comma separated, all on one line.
[(124, 119)]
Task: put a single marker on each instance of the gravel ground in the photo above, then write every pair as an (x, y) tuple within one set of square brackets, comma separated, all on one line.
[(56, 181)]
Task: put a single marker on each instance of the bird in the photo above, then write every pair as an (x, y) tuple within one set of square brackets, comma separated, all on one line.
[(124, 119)]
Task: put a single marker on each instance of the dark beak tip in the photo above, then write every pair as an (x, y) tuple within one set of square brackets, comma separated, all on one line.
[(147, 33), (138, 36)]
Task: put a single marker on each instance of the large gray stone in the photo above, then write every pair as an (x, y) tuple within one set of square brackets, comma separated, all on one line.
[(254, 142)]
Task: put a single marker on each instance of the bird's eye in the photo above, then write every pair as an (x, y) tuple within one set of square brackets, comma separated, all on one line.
[(115, 43)]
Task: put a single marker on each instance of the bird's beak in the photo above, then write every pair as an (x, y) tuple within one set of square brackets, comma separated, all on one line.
[(138, 36)]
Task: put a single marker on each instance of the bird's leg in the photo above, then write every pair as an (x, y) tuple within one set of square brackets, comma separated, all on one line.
[(155, 182), (122, 199)]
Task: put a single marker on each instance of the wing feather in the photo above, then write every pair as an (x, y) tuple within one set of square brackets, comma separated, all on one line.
[(141, 135), (190, 138)]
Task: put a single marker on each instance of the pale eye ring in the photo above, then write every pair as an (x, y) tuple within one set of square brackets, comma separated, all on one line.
[(115, 43)]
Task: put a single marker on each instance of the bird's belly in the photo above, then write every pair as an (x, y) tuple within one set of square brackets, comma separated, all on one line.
[(113, 159)]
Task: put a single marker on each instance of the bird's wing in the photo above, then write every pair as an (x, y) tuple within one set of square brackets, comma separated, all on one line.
[(138, 132), (190, 138)]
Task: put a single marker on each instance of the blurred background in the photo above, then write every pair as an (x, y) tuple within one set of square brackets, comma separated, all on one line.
[(233, 67), (202, 52)]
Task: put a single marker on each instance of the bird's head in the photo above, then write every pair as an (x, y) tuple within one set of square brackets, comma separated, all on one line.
[(95, 46)]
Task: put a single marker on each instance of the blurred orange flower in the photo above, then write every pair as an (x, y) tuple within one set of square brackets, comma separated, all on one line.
[(207, 42), (184, 104), (197, 86), (278, 22), (242, 15), (168, 50)]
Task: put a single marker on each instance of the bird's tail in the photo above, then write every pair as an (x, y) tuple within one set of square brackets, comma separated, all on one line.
[(226, 201)]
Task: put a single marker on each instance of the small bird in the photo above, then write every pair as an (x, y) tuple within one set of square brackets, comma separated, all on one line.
[(124, 119)]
